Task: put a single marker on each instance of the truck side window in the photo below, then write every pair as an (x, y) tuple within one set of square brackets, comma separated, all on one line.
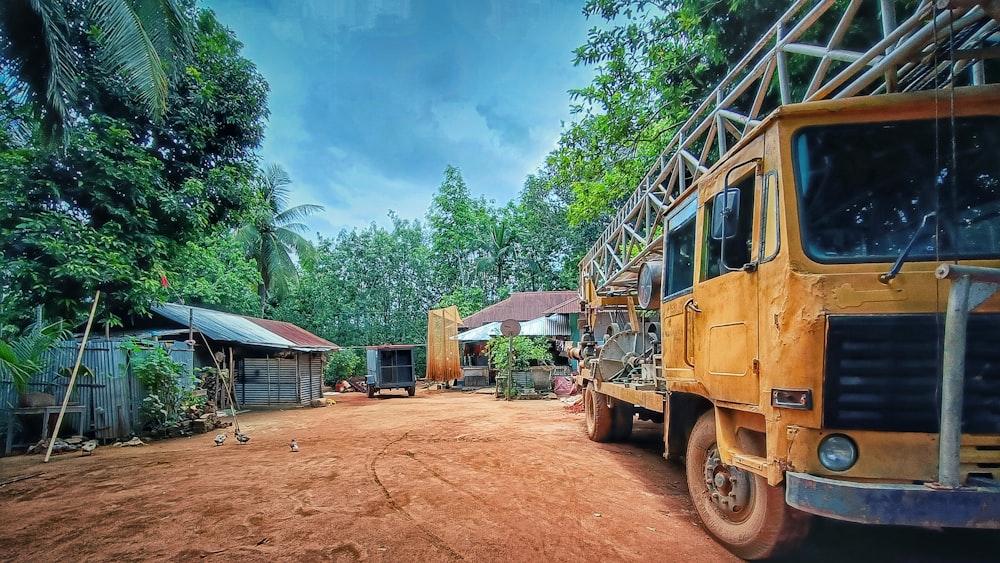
[(678, 271), (737, 246)]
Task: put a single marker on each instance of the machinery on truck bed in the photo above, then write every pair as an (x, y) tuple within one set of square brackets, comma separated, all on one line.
[(802, 289)]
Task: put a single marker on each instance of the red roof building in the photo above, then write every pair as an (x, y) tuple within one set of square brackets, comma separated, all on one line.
[(525, 306)]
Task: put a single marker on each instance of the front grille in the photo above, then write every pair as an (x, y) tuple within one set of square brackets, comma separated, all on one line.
[(883, 373)]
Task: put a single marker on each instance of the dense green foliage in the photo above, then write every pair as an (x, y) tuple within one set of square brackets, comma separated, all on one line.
[(125, 196), (366, 287)]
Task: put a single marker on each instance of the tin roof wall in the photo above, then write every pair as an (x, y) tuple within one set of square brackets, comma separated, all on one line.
[(250, 331), (522, 306)]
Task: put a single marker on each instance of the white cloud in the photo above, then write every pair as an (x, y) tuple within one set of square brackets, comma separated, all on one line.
[(371, 99)]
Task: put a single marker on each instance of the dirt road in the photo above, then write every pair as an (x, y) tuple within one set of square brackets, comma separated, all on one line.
[(437, 477)]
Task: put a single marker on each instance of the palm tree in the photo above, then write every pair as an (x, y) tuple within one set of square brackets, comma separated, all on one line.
[(271, 236), (22, 357), (136, 41), (497, 249)]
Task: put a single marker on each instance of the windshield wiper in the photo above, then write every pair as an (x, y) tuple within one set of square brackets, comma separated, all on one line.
[(894, 270)]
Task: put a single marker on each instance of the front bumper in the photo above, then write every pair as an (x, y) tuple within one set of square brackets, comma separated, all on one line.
[(974, 506)]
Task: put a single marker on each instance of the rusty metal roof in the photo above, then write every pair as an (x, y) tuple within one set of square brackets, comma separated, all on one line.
[(520, 306), (250, 331), (571, 305), (294, 333)]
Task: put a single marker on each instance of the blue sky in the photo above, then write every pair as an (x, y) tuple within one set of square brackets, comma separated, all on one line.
[(371, 99)]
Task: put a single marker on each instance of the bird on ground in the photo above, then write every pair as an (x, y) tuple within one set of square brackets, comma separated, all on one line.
[(220, 439), (295, 445), (241, 438), (88, 447)]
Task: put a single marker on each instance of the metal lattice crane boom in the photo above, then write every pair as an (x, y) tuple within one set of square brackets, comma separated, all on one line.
[(940, 41)]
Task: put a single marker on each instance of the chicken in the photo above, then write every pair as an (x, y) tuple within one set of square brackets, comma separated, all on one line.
[(220, 439), (88, 447), (295, 445), (241, 438)]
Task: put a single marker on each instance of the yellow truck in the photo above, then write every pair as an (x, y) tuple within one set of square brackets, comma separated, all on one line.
[(804, 294)]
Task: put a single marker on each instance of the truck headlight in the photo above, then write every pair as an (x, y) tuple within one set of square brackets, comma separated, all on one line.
[(837, 452)]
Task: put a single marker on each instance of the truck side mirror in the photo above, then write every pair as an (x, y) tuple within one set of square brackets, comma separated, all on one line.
[(726, 214)]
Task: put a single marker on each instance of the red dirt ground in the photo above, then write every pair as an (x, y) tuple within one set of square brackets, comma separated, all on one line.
[(437, 477)]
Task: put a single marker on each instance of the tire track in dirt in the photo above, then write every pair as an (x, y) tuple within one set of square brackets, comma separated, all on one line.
[(437, 541)]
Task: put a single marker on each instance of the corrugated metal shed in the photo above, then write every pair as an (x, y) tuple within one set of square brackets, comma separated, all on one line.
[(481, 333), (112, 397), (553, 325), (249, 331)]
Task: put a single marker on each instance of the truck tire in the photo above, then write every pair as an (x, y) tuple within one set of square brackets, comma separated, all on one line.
[(371, 391), (600, 420), (411, 390), (746, 516), (622, 415)]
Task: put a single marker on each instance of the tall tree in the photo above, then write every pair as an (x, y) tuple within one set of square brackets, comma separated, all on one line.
[(270, 236), (497, 250), (112, 207), (457, 222), (140, 42)]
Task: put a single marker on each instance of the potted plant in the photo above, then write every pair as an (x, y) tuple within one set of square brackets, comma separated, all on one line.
[(515, 357), (22, 358)]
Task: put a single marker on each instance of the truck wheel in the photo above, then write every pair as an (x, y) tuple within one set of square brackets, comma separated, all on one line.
[(738, 507), (600, 422), (411, 390), (623, 415), (371, 391)]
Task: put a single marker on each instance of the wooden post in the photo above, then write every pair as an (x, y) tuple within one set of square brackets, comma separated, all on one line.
[(72, 377), (219, 368), (232, 380)]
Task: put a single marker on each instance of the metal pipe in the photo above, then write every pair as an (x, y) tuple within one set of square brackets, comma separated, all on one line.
[(952, 382), (970, 286)]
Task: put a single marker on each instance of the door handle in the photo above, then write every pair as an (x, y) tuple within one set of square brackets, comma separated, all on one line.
[(690, 305)]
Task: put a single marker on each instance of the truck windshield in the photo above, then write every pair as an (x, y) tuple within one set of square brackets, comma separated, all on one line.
[(864, 188)]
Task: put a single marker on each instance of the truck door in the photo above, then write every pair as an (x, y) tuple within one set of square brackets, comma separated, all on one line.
[(723, 312), (678, 279)]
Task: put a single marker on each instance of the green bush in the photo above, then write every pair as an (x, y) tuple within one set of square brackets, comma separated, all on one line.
[(526, 349), (342, 365), (162, 378)]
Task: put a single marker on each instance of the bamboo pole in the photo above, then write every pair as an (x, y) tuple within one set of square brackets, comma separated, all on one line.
[(72, 377)]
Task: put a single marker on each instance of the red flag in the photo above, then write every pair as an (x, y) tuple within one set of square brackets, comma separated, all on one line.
[(163, 280)]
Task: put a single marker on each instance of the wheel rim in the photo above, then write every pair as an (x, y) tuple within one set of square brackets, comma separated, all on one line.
[(730, 489)]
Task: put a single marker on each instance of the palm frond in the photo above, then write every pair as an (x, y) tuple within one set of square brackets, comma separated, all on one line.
[(23, 356), (43, 60), (127, 50), (169, 29), (293, 215)]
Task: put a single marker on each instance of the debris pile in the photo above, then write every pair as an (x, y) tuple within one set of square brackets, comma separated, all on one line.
[(574, 403), (65, 445)]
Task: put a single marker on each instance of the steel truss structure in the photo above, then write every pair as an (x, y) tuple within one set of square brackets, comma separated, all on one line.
[(940, 43)]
